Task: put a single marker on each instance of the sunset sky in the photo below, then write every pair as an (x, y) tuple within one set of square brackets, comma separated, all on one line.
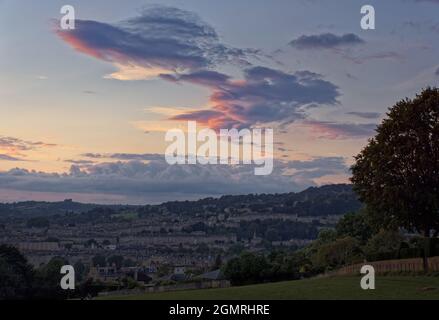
[(83, 112)]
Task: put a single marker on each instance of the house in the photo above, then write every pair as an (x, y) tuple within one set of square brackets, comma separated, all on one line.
[(179, 270)]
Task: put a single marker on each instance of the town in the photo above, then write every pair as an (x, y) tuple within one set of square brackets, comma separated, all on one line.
[(172, 243)]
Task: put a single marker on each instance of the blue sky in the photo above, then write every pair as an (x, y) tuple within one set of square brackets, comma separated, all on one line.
[(304, 68)]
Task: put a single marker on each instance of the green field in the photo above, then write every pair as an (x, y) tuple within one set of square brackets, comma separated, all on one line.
[(389, 287)]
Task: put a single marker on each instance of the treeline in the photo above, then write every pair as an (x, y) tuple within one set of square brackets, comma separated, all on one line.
[(354, 240), (269, 230)]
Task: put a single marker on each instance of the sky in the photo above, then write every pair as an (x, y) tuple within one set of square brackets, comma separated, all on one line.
[(84, 112)]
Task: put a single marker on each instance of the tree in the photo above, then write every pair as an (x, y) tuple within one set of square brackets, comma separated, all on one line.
[(247, 269), (337, 253), (397, 173), (354, 225), (129, 263), (99, 260), (80, 270), (16, 275), (384, 245), (116, 261), (48, 278), (218, 262), (326, 236), (38, 222)]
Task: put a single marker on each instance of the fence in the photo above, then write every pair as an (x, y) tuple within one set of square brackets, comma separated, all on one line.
[(403, 265)]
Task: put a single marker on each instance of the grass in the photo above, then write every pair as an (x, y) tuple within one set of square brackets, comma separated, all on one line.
[(343, 288)]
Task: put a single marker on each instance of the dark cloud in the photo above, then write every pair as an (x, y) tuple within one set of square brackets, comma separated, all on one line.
[(336, 130), (342, 46), (437, 72), (365, 115), (204, 77), (179, 47), (265, 95), (158, 180), (326, 41), (159, 40)]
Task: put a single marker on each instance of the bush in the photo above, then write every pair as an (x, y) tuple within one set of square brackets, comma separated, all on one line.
[(384, 245), (338, 253), (408, 253), (247, 269)]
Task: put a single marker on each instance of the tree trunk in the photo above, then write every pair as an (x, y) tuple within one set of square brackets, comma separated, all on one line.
[(426, 251)]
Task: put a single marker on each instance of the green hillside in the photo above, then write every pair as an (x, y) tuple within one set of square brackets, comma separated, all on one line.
[(402, 287)]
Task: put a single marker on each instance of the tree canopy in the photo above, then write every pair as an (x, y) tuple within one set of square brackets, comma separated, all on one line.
[(397, 173)]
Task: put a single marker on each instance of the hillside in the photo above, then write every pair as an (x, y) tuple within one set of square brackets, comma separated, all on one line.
[(41, 208), (315, 201)]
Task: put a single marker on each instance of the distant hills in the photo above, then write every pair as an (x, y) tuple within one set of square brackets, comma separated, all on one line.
[(41, 208), (336, 199), (315, 201)]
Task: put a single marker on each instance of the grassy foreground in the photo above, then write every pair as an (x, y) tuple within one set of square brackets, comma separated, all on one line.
[(389, 287)]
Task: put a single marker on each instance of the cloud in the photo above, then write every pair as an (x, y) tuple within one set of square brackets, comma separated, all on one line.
[(332, 164), (178, 46), (365, 115), (431, 1), (334, 130), (437, 72), (206, 78), (386, 55), (160, 40), (142, 182), (79, 162), (93, 155), (326, 41), (14, 149), (13, 144), (6, 157), (341, 46), (264, 95), (422, 26), (124, 156)]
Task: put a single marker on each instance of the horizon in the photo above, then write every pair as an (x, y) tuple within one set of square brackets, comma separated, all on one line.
[(170, 201)]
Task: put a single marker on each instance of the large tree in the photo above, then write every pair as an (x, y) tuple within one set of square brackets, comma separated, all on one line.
[(397, 173)]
